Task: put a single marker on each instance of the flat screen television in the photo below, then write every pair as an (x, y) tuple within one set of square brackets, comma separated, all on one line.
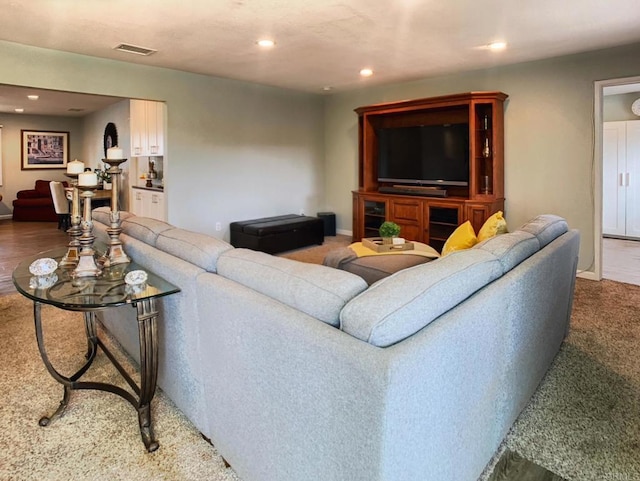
[(424, 155)]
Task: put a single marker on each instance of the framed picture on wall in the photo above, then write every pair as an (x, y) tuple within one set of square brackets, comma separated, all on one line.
[(44, 150)]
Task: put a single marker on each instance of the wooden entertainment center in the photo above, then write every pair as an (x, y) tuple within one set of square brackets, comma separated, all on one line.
[(430, 214)]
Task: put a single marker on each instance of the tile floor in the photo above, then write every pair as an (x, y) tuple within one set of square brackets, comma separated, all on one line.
[(621, 260)]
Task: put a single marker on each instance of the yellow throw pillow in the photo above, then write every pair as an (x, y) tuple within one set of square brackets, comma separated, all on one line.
[(463, 237), (493, 226)]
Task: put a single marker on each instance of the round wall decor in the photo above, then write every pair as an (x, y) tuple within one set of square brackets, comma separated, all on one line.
[(635, 107), (110, 137)]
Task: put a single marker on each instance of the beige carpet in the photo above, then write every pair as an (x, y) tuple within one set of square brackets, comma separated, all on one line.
[(316, 254), (98, 436), (583, 423)]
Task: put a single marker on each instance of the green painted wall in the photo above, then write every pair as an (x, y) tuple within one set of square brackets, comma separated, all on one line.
[(236, 150), (618, 107), (239, 150), (549, 134)]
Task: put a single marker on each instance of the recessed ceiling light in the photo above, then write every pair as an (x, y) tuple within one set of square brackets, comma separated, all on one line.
[(33, 97), (497, 46), (366, 72), (19, 110), (327, 88), (266, 43)]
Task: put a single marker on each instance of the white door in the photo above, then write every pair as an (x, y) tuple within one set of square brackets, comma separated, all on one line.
[(613, 178), (632, 178)]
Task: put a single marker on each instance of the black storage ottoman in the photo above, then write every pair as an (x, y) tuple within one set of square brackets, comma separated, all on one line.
[(277, 234)]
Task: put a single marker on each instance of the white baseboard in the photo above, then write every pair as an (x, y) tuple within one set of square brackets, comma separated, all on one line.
[(6, 216), (344, 232), (590, 275)]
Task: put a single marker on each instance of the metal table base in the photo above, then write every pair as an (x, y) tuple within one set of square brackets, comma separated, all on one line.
[(147, 329)]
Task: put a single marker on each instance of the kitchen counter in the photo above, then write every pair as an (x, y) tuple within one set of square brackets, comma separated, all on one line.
[(142, 187)]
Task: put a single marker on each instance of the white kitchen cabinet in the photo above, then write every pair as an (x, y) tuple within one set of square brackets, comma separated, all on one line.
[(148, 203), (147, 128), (136, 204), (621, 179)]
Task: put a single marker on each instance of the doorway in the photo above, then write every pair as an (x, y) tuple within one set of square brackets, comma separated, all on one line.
[(616, 252)]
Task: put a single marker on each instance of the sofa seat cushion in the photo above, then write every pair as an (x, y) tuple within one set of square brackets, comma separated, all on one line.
[(145, 229), (199, 249), (318, 291), (400, 305), (546, 227)]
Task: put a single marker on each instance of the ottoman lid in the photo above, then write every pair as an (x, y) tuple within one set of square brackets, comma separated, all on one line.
[(275, 225)]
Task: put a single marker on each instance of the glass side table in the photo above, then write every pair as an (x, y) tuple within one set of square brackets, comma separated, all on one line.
[(90, 295)]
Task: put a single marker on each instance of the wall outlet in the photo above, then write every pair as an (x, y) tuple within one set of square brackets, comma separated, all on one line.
[(301, 211), (218, 226)]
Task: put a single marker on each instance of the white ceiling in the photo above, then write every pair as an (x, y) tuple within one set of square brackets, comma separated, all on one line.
[(51, 102), (322, 43)]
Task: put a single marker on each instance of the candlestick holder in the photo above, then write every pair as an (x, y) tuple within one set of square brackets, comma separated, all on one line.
[(70, 259), (115, 253), (87, 266)]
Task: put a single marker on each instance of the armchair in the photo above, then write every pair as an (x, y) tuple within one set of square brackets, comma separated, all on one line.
[(35, 204)]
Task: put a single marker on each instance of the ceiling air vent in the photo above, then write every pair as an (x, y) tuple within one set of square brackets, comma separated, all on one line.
[(124, 47)]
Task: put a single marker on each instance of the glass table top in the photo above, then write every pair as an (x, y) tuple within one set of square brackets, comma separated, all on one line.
[(83, 293)]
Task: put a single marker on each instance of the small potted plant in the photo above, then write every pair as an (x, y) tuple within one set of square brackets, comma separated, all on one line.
[(389, 230), (105, 177)]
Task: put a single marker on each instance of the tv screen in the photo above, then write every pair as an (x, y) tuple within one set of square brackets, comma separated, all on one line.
[(425, 154)]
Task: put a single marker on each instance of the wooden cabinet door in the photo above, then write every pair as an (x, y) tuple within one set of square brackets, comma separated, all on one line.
[(138, 120), (373, 211), (478, 214), (138, 202), (407, 213), (147, 128), (156, 208), (155, 127)]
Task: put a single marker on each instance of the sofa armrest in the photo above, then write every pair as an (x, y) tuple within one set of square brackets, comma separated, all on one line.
[(28, 194)]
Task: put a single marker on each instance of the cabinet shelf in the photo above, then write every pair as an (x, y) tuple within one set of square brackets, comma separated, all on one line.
[(445, 224)]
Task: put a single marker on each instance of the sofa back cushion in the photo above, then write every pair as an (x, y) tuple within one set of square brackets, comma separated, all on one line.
[(400, 305), (199, 249), (546, 227), (42, 188), (316, 290), (145, 229), (511, 249), (103, 215)]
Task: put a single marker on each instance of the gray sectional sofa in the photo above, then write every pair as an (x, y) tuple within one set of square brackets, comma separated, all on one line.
[(301, 372)]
